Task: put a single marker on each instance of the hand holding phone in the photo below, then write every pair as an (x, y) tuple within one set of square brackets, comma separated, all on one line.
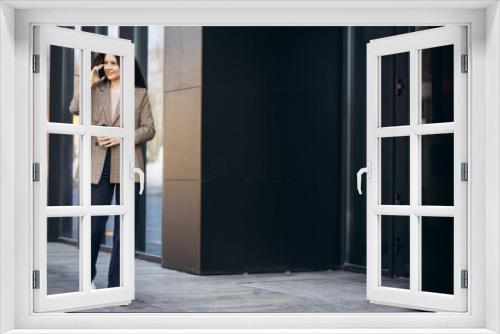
[(97, 74)]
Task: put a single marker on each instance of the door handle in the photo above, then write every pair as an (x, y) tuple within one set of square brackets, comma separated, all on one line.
[(134, 170), (365, 170)]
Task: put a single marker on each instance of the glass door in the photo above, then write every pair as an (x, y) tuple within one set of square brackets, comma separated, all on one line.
[(74, 131), (417, 168)]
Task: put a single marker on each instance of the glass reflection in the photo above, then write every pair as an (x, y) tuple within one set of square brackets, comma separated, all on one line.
[(63, 186), (63, 255), (395, 171), (64, 81), (437, 254), (437, 169), (437, 84), (395, 269), (395, 89)]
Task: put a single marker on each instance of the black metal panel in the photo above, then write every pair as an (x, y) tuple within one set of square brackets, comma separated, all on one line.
[(271, 148), (355, 135)]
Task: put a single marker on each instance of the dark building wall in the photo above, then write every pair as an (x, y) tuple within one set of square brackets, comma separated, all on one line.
[(271, 148), (280, 117)]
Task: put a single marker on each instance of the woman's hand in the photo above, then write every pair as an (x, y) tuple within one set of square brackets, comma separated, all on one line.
[(108, 142), (94, 74)]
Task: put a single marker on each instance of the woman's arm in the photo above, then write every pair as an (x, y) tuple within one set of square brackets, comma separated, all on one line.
[(146, 129)]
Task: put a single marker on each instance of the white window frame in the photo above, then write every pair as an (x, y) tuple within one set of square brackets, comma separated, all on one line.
[(16, 20), (44, 38), (413, 44)]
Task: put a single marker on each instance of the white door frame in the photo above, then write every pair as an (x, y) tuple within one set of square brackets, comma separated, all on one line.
[(484, 163)]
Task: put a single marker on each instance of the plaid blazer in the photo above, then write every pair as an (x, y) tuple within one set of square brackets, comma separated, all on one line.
[(102, 115)]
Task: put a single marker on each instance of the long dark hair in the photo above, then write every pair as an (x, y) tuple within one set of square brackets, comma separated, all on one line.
[(139, 78)]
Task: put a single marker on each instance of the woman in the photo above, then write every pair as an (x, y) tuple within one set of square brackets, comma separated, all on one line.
[(105, 152)]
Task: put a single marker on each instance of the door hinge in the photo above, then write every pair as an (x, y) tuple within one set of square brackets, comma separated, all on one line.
[(464, 279), (36, 63), (36, 172), (36, 279), (464, 171), (465, 64)]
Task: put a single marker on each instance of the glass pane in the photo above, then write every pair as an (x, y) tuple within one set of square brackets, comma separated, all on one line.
[(395, 270), (395, 89), (63, 184), (63, 255), (106, 89), (395, 171), (64, 83), (437, 84), (437, 169), (105, 170), (437, 254), (105, 259)]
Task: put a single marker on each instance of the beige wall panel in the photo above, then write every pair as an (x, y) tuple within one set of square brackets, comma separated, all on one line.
[(183, 57), (181, 231), (183, 134)]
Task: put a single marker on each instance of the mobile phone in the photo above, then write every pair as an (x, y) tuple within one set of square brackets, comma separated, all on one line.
[(101, 72)]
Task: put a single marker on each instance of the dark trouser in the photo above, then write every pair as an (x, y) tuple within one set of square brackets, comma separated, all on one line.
[(102, 194)]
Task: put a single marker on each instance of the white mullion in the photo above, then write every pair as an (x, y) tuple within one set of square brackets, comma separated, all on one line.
[(85, 113), (40, 220), (124, 186), (415, 254), (123, 255), (393, 210), (127, 276), (393, 131), (419, 129), (81, 180), (65, 128), (70, 129), (378, 232), (373, 253), (433, 211), (418, 210), (107, 210), (94, 210), (107, 131), (81, 256), (432, 128), (65, 211), (414, 170), (73, 129), (85, 243)]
